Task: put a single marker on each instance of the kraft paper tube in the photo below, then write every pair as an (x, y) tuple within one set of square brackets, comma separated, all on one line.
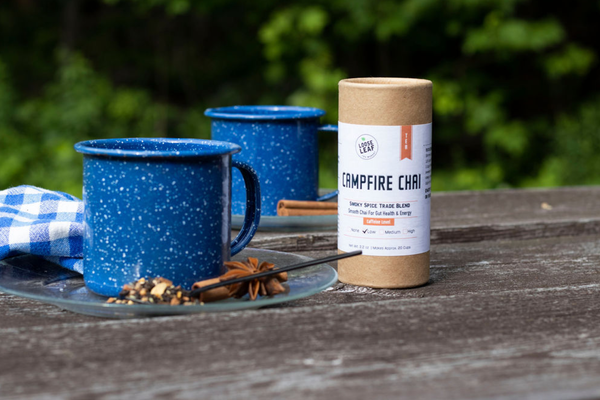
[(386, 102)]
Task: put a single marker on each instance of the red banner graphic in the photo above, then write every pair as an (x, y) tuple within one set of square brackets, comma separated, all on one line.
[(406, 142)]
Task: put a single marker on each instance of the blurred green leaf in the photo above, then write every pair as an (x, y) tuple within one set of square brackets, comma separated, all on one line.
[(577, 145), (511, 138), (499, 34), (312, 20), (572, 59), (448, 98), (396, 18)]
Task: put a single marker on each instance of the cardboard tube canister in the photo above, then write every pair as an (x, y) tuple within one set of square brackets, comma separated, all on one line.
[(384, 181)]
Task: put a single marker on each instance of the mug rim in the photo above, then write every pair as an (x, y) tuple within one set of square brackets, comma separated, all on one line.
[(206, 148), (263, 112)]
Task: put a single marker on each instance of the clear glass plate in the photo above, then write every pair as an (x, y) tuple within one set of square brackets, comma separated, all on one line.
[(32, 277)]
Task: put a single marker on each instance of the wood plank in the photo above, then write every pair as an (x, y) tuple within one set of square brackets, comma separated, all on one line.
[(504, 318), (544, 345), (488, 267), (455, 269), (483, 215)]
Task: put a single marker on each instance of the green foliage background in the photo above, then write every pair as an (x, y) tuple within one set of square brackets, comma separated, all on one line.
[(516, 83)]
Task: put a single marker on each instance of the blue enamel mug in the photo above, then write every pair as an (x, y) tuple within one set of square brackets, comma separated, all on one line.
[(160, 207), (280, 143)]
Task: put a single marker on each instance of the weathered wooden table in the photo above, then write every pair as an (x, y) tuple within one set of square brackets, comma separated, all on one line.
[(511, 310)]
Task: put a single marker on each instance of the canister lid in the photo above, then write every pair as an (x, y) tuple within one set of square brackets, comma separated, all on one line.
[(385, 101)]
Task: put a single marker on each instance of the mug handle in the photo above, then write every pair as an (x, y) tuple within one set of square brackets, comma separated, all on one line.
[(328, 128), (252, 217)]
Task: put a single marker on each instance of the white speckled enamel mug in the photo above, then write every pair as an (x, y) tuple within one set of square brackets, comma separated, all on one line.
[(280, 143), (160, 207)]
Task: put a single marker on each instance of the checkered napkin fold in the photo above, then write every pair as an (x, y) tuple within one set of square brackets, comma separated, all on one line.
[(44, 223)]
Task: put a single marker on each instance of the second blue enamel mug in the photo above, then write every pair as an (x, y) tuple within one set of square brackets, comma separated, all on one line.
[(280, 143), (160, 207)]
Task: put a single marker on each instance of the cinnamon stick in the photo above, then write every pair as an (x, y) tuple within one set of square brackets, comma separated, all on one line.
[(213, 294), (287, 208)]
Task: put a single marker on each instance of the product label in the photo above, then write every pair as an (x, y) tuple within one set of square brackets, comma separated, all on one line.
[(384, 182)]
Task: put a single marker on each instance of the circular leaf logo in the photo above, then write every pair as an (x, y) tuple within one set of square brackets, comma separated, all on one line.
[(366, 147)]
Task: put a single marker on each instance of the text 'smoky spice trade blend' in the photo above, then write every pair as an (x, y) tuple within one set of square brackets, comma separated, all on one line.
[(384, 181)]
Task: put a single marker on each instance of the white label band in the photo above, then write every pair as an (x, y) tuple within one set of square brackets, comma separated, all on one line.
[(384, 182)]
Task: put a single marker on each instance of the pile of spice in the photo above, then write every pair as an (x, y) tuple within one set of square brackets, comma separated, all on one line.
[(162, 291), (154, 291)]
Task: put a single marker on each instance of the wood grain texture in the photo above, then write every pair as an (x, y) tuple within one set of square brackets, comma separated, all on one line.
[(295, 242), (503, 319), (459, 217)]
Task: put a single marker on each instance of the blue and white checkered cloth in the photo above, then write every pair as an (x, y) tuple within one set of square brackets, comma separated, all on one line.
[(42, 222)]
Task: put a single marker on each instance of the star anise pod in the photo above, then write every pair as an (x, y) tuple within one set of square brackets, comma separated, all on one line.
[(266, 286)]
